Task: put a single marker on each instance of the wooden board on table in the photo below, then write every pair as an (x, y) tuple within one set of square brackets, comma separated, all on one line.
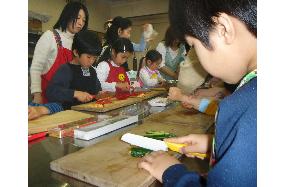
[(182, 116), (92, 106), (152, 93), (50, 121), (108, 163)]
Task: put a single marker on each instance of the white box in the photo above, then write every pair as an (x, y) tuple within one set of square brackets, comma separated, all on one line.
[(159, 101), (104, 127)]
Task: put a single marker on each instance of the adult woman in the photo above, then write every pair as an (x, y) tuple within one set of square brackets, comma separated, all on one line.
[(54, 48), (120, 28), (173, 53)]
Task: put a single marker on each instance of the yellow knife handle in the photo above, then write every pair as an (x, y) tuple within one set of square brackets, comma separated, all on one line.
[(176, 147)]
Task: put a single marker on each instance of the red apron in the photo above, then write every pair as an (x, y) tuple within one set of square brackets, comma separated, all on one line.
[(117, 74), (63, 56)]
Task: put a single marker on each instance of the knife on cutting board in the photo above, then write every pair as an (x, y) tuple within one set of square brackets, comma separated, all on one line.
[(155, 145)]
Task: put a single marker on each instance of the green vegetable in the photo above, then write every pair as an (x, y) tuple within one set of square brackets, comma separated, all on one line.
[(139, 151), (159, 135)]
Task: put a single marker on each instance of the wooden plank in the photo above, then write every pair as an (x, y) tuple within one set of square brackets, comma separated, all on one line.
[(180, 115), (117, 103), (50, 121), (108, 163), (152, 93), (107, 107)]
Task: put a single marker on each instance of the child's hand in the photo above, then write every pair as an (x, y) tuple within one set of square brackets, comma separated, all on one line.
[(199, 143), (187, 105), (37, 111), (83, 96), (37, 98), (175, 94), (156, 163), (162, 83), (124, 86)]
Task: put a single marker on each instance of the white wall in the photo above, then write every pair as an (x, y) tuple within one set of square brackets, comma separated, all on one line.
[(99, 12), (51, 8), (139, 8)]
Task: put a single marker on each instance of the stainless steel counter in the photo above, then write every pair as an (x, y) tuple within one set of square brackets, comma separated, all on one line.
[(43, 151)]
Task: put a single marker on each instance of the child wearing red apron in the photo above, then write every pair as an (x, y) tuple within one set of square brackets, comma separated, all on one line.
[(111, 74), (54, 48), (76, 82)]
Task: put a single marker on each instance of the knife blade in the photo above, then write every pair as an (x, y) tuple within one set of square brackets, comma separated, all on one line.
[(155, 145)]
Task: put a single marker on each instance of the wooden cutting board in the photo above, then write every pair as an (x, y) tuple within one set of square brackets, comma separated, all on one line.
[(153, 93), (107, 107), (108, 163), (50, 121), (180, 115), (117, 103)]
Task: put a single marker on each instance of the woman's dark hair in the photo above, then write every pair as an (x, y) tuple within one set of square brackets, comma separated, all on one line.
[(170, 37), (194, 17), (87, 42), (152, 55), (122, 45), (112, 32), (70, 13)]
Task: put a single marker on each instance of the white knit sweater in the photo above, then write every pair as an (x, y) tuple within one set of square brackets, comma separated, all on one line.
[(45, 54)]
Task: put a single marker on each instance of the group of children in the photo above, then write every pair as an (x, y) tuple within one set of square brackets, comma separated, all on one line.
[(71, 78), (223, 34)]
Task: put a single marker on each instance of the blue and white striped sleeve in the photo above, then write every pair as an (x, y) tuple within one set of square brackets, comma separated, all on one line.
[(141, 46), (52, 107)]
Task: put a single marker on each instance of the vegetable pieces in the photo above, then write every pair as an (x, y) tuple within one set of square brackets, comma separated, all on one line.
[(139, 151), (158, 135), (104, 101)]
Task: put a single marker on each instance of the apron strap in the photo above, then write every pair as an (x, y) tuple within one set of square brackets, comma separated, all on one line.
[(57, 38)]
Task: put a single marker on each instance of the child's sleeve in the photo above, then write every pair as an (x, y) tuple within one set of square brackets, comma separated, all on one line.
[(43, 50), (162, 50), (178, 175), (208, 106), (98, 84), (141, 46), (52, 107), (58, 89), (146, 79), (102, 73)]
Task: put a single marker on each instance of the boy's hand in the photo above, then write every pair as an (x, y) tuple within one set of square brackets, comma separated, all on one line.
[(37, 98), (37, 111), (124, 86), (187, 105), (175, 94), (199, 143), (83, 96), (156, 163)]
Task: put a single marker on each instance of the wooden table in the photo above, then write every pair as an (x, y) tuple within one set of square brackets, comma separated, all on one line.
[(50, 149)]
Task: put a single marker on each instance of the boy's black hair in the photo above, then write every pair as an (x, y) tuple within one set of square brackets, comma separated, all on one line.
[(87, 42), (70, 13), (122, 45), (170, 37), (152, 55), (112, 32), (194, 17)]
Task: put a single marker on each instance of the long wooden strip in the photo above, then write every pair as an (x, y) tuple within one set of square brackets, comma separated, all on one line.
[(50, 121), (116, 103)]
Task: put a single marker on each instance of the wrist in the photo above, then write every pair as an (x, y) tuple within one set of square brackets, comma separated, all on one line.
[(43, 110), (36, 94), (75, 95), (184, 98)]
